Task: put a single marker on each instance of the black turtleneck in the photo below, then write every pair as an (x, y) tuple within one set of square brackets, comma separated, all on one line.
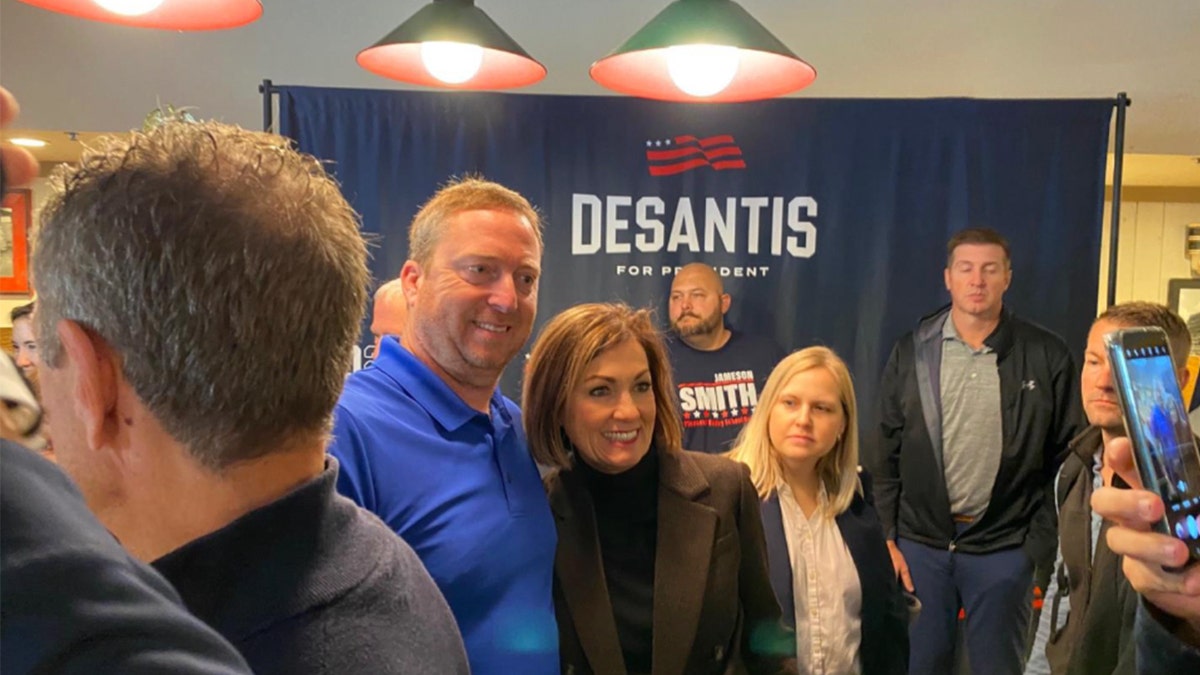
[(626, 507)]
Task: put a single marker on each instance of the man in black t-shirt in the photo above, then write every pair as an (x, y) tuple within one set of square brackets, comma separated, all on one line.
[(719, 372)]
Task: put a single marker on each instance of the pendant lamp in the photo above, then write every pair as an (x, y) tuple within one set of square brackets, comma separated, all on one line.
[(166, 14), (452, 44), (708, 51)]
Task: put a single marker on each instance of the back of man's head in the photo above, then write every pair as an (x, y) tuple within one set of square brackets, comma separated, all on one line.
[(1142, 314), (390, 311), (224, 268)]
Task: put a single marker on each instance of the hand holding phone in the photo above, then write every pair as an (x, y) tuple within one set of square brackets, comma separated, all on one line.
[(1147, 558), (1156, 421)]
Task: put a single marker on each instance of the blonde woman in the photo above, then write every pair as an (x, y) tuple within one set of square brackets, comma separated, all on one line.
[(829, 565)]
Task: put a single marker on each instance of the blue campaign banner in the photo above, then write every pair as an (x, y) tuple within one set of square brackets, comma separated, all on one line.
[(827, 218)]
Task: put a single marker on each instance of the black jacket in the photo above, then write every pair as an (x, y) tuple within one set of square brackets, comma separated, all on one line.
[(1041, 412)]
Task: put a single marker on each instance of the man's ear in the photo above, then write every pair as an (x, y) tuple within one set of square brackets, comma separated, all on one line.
[(410, 280), (726, 301), (94, 370), (1182, 375)]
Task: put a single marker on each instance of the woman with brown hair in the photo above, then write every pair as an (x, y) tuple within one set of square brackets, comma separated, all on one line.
[(661, 566)]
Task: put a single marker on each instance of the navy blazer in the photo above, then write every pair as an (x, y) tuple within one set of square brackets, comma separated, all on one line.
[(884, 648)]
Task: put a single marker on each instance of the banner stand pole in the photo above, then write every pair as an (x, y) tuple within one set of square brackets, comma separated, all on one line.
[(268, 90), (1122, 103)]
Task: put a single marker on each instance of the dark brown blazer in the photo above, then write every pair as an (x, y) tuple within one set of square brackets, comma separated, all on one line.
[(712, 594)]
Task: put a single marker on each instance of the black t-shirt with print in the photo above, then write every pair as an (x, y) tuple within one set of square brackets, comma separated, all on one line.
[(717, 391)]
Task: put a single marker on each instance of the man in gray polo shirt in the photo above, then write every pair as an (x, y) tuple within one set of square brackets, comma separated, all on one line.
[(976, 407)]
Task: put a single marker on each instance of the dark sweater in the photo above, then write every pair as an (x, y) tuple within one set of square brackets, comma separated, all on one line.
[(627, 525), (73, 601), (313, 584)]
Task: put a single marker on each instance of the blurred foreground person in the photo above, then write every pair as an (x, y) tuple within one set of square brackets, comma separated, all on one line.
[(71, 599), (199, 290)]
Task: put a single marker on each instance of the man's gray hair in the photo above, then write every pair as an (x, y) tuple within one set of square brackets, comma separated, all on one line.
[(224, 268)]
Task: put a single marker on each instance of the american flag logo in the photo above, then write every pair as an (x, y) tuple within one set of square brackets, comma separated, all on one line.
[(684, 153)]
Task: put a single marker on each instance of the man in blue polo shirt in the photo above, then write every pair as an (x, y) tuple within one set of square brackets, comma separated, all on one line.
[(427, 442)]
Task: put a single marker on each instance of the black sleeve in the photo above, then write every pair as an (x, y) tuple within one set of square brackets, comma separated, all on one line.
[(1158, 644), (882, 456), (1068, 422)]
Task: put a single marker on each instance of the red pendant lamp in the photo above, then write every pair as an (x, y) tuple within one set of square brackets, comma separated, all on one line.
[(708, 51), (165, 14), (455, 45)]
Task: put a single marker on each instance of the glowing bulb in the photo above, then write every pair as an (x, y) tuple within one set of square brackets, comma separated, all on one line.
[(702, 70), (28, 142), (129, 7), (451, 62)]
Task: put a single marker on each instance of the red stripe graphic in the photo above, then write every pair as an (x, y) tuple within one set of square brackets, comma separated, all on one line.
[(684, 153), (662, 155), (678, 167), (705, 142), (728, 164)]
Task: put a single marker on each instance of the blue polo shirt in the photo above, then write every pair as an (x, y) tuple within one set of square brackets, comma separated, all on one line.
[(461, 488)]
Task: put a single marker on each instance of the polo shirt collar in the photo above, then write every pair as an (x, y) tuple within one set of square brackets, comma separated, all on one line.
[(950, 332), (438, 399)]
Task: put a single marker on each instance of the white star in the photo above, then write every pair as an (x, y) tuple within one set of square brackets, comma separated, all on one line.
[(658, 143), (668, 141)]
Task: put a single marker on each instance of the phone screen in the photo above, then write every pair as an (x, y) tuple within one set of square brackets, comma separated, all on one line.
[(1157, 421)]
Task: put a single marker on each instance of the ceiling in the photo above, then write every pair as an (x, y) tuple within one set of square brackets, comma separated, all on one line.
[(75, 75)]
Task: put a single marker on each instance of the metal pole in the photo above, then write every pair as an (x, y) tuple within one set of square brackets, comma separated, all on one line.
[(267, 92), (1123, 102)]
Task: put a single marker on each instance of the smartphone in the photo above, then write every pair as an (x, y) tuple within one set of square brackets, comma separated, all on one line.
[(1156, 421)]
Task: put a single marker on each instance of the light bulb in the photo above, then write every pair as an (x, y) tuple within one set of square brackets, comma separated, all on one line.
[(129, 7), (702, 70), (451, 62)]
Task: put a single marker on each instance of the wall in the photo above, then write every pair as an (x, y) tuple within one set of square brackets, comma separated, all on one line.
[(9, 301), (1152, 243)]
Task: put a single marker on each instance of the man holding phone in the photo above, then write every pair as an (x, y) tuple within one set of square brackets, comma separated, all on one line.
[(1087, 619)]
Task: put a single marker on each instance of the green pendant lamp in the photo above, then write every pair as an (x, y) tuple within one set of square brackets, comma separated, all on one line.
[(452, 44), (709, 51)]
